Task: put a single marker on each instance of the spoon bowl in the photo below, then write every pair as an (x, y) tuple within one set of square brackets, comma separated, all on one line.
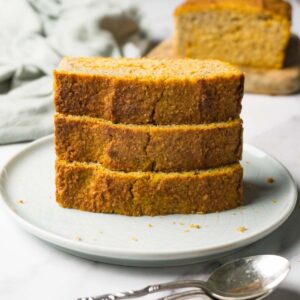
[(248, 278)]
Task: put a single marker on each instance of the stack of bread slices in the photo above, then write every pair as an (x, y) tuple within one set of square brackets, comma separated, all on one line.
[(148, 137)]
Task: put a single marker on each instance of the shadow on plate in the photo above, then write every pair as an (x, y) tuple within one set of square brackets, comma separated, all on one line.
[(254, 192)]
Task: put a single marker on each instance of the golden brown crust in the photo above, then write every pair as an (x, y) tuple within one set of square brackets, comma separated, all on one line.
[(90, 187), (202, 92), (148, 148), (276, 7), (147, 69)]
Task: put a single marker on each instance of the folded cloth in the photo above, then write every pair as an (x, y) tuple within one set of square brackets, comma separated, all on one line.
[(35, 34)]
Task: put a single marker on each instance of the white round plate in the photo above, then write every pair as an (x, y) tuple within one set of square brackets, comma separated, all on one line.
[(28, 191)]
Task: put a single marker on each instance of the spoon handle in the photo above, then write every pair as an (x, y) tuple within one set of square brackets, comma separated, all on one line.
[(150, 290), (183, 295)]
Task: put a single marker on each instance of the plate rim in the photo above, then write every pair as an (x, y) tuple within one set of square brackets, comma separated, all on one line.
[(137, 255)]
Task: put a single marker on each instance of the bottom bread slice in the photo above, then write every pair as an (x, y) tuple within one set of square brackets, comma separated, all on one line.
[(91, 187)]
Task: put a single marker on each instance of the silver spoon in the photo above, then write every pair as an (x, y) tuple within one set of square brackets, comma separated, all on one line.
[(242, 279)]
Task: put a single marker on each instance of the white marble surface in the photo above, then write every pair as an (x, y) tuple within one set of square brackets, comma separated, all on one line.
[(30, 269)]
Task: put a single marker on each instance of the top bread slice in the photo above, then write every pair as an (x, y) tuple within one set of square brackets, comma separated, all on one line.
[(251, 33), (147, 91)]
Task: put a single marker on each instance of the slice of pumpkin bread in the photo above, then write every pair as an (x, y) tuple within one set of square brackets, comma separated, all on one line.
[(147, 91), (91, 187), (172, 148), (251, 33)]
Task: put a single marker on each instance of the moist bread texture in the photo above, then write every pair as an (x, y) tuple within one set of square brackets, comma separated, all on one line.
[(250, 33), (128, 148), (147, 91), (91, 187)]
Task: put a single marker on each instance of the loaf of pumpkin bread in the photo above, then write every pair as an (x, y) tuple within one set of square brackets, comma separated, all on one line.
[(91, 187), (146, 91), (163, 148), (251, 33)]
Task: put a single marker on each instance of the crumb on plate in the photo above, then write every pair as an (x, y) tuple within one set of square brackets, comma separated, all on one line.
[(242, 229), (270, 180), (196, 226)]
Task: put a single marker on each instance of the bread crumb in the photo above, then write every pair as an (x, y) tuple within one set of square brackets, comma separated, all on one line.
[(78, 238), (135, 239), (21, 202), (174, 223), (181, 223), (242, 229), (150, 225), (270, 180), (196, 226)]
